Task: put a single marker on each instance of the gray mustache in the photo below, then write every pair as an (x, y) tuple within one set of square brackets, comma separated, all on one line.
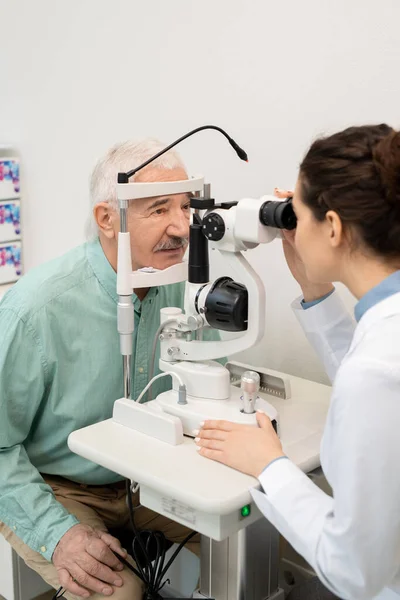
[(172, 244)]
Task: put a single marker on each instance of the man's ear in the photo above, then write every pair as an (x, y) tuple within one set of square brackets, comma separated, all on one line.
[(104, 216), (335, 228)]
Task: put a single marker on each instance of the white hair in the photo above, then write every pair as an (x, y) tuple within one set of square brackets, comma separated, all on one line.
[(123, 157)]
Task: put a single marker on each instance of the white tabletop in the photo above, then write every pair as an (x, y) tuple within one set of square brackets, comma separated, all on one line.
[(181, 473)]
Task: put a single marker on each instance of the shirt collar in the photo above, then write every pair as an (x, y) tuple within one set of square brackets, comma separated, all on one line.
[(107, 276), (384, 289)]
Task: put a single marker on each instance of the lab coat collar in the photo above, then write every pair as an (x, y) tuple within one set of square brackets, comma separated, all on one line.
[(389, 286), (381, 310)]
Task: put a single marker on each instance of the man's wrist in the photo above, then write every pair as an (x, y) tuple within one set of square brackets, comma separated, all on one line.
[(64, 537), (312, 293)]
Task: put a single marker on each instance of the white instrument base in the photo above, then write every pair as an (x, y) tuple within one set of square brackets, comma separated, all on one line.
[(166, 420), (198, 410)]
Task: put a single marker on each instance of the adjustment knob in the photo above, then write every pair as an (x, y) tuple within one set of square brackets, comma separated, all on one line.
[(213, 227)]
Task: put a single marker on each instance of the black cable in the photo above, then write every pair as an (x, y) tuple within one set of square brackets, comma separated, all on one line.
[(131, 567), (175, 554), (160, 571), (160, 544), (149, 577), (155, 570), (136, 533), (239, 151)]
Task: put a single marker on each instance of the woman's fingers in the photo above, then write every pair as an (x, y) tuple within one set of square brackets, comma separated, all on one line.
[(212, 434), (280, 193)]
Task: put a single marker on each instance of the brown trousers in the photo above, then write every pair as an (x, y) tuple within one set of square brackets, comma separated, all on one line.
[(104, 508)]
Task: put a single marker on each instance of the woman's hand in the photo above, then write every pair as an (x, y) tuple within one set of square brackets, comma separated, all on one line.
[(243, 447), (311, 291)]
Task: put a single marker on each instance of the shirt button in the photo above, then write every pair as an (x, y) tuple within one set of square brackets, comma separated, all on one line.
[(15, 528), (43, 549), (140, 369)]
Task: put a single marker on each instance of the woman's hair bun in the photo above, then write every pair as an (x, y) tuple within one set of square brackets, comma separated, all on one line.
[(386, 158)]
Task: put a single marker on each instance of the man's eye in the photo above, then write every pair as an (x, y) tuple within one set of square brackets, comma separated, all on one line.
[(159, 211), (186, 207)]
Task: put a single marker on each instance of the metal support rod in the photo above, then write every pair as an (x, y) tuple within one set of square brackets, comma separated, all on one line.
[(126, 357), (126, 365), (123, 219)]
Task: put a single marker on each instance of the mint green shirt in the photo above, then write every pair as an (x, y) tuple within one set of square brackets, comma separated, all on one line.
[(60, 370)]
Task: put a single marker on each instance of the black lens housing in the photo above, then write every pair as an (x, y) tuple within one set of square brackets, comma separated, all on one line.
[(226, 305), (278, 214)]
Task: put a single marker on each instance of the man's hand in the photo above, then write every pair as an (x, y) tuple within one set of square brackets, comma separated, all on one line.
[(244, 447), (85, 560)]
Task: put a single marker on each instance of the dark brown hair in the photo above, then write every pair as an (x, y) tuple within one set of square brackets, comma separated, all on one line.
[(356, 173)]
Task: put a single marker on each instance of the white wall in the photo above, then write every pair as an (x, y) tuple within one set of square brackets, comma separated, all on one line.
[(77, 76), (7, 570)]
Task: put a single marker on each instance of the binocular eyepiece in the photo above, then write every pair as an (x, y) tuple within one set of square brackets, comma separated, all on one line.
[(278, 214)]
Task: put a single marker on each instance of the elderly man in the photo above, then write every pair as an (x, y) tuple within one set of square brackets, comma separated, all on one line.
[(60, 370)]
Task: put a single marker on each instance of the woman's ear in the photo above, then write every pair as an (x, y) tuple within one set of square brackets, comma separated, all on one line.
[(104, 216), (335, 228)]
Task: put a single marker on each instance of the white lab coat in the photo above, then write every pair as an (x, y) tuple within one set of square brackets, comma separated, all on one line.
[(353, 539)]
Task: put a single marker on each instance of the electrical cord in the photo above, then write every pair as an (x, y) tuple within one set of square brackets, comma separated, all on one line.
[(60, 592), (239, 151), (182, 386)]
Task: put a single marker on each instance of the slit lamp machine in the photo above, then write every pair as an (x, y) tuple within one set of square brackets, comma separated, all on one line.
[(201, 387)]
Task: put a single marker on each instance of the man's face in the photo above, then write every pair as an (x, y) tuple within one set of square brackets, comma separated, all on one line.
[(159, 226)]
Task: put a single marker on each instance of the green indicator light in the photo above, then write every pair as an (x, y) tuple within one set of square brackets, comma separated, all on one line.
[(245, 510)]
